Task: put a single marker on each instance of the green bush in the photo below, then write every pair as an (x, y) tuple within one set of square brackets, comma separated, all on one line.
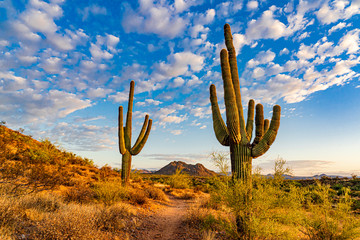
[(110, 192), (280, 209), (179, 180)]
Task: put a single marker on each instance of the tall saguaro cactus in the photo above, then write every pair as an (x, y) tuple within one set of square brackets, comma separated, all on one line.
[(235, 133), (124, 134)]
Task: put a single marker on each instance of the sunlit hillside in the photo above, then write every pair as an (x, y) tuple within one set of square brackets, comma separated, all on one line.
[(41, 164)]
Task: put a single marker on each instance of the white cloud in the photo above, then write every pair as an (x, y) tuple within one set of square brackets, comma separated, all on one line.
[(38, 17), (94, 10), (265, 27), (159, 18), (205, 18), (93, 138), (303, 36), (10, 82), (239, 41), (39, 21), (98, 92), (52, 65), (252, 5), (339, 26), (99, 54), (193, 81), (284, 51), (179, 64), (4, 43), (177, 82), (119, 97), (52, 9), (149, 102), (40, 106), (350, 42), (28, 59), (153, 102), (23, 32), (168, 115), (261, 58), (225, 9), (195, 30), (176, 132), (332, 11), (258, 72), (182, 5), (305, 52)]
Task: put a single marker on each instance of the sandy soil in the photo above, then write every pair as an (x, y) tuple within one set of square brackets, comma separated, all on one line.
[(166, 223)]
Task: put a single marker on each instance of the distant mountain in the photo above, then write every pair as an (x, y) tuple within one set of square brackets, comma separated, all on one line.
[(193, 170), (143, 171), (319, 176)]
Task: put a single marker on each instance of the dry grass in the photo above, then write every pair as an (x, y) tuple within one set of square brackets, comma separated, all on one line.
[(46, 216)]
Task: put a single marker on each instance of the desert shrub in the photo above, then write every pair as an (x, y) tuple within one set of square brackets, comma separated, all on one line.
[(136, 176), (110, 192), (44, 202), (279, 209), (210, 220), (327, 222), (221, 161), (79, 194), (72, 222), (155, 193), (10, 213), (185, 194), (179, 180), (138, 197), (114, 218)]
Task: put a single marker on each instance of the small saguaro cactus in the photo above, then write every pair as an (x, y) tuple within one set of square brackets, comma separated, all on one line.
[(235, 133), (124, 134)]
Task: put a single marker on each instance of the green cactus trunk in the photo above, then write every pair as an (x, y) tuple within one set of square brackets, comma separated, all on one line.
[(126, 167), (241, 159), (124, 134)]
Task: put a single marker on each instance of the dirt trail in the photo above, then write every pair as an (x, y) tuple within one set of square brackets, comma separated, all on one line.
[(166, 223)]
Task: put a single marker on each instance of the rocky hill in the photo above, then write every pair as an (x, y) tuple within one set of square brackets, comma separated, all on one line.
[(193, 170), (27, 162)]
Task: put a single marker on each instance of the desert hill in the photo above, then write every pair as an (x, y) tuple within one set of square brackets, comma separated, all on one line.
[(193, 170), (27, 162)]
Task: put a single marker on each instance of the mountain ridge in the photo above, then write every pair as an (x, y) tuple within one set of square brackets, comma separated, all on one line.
[(191, 169)]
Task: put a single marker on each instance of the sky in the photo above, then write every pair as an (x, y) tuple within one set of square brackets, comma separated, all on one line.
[(66, 67)]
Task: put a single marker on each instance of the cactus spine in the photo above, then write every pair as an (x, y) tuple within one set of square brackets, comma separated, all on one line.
[(124, 134), (235, 133)]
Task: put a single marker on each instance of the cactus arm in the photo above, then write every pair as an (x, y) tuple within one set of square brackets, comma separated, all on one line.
[(220, 129), (121, 132), (232, 114), (269, 136), (235, 76), (250, 119), (259, 123), (128, 126), (137, 148), (142, 132), (266, 125)]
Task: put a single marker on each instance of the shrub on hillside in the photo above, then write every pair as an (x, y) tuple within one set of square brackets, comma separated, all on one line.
[(179, 180), (110, 192)]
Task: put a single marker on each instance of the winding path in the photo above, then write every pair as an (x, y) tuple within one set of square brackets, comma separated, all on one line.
[(166, 224)]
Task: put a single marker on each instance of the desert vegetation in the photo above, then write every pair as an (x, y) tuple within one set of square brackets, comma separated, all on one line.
[(48, 193), (279, 208), (87, 202)]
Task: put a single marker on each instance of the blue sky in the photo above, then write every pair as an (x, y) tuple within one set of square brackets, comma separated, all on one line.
[(65, 67)]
